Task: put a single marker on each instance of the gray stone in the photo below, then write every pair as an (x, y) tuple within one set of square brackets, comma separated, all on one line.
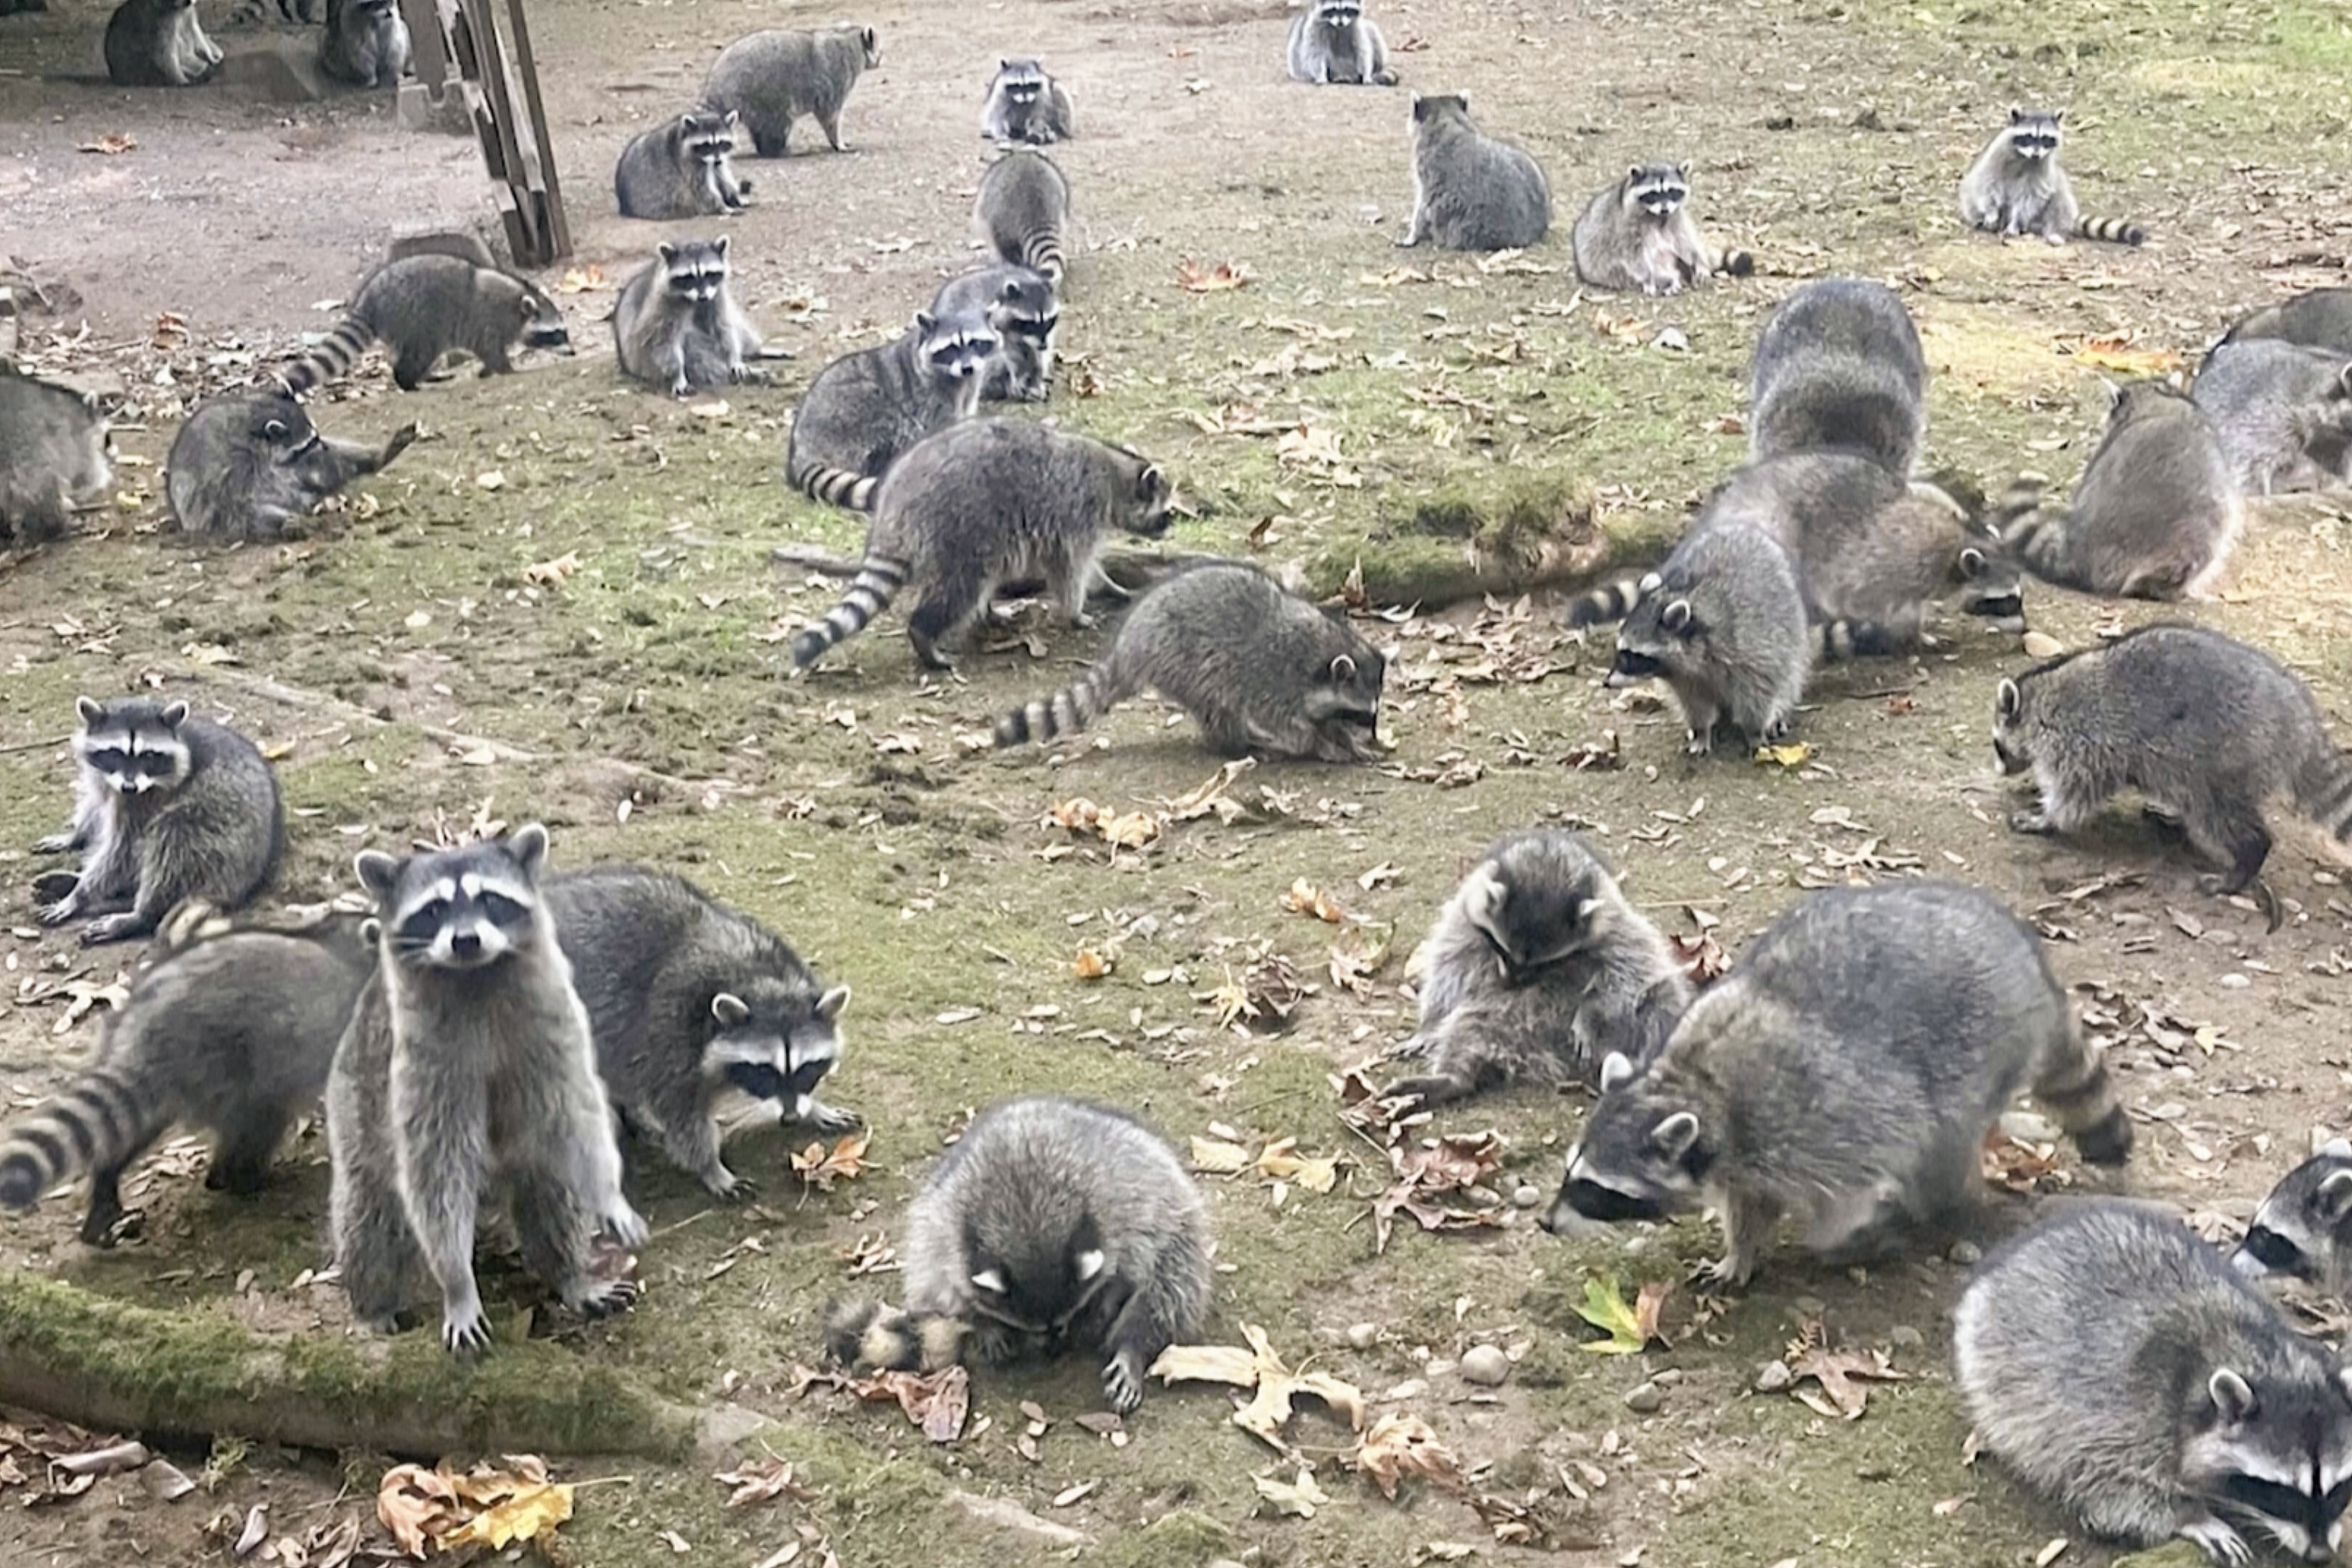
[(1646, 1399), (1527, 1197), (1773, 1376), (1364, 1336), (1485, 1365), (1965, 1253)]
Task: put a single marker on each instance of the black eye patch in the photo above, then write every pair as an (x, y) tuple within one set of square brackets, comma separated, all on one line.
[(109, 759), (2275, 1252), (501, 909), (1609, 1205), (760, 1080), (2286, 1504), (2002, 605), (807, 1076), (1636, 665)]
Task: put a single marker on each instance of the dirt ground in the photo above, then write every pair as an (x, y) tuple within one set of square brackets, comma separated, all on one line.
[(635, 696)]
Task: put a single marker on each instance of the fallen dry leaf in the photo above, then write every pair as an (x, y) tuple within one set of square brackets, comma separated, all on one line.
[(821, 1168), (2041, 645), (2121, 356), (1306, 899), (1269, 1410), (555, 572), (1398, 1445), (1281, 1162), (519, 1517), (1702, 956), (110, 145), (762, 1481), (1840, 1373), (937, 1402), (1219, 1158), (1788, 756), (1091, 964), (581, 280), (1300, 1498), (1194, 278)]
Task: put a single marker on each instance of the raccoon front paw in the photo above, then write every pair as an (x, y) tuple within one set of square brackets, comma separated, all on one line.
[(681, 388), (1081, 621), (1698, 743), (729, 1188), (1122, 1383), (824, 1117), (111, 927), (465, 1332), (56, 844), (626, 1225), (604, 1298), (991, 1344), (58, 913), (2221, 1543), (2030, 821), (1726, 1273)]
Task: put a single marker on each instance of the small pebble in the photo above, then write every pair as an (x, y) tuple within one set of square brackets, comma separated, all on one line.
[(1773, 1376), (1904, 1337), (1485, 1365), (1527, 1197), (1486, 1195), (1667, 1378), (1646, 1399), (1364, 1336), (2235, 982), (1965, 1253)]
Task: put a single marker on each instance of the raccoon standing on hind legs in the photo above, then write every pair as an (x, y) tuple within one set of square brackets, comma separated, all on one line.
[(159, 43), (365, 43), (2016, 187)]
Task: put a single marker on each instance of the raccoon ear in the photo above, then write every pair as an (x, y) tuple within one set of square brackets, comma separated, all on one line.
[(1419, 108), (2336, 1196), (2232, 1395), (1972, 562), (2344, 1383), (370, 930), (2337, 1148), (688, 124), (89, 709), (2006, 698), (1589, 909), (377, 872), (1675, 617), (176, 715), (1673, 1136), (1634, 173), (1681, 172), (1151, 482), (1003, 63), (1089, 1263), (666, 251), (865, 36), (1616, 1068), (925, 321), (2057, 117), (1343, 668), (990, 1281), (829, 1005), (728, 1009), (2015, 114), (275, 430), (528, 844), (2344, 382), (719, 245), (734, 118)]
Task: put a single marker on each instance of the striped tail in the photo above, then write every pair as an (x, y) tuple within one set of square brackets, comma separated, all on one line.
[(2114, 230), (1069, 710), (92, 1123), (330, 361), (835, 487), (2323, 792), (868, 595), (2078, 1092), (1843, 639), (1042, 253), (2034, 539), (1610, 602), (870, 1336), (1732, 260)]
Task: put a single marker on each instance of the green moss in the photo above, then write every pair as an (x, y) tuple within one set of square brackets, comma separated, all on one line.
[(1184, 1539)]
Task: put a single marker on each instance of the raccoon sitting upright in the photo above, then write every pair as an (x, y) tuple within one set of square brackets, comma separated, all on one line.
[(867, 407), (252, 466), (55, 456), (2219, 738), (2155, 515), (1538, 968), (773, 78), (1021, 308), (159, 43), (987, 501), (2016, 187), (689, 1001), (2283, 411), (1471, 191), (2111, 1361), (1845, 1071), (682, 169), (1023, 212), (230, 1030), (1333, 43), (1637, 236), (1261, 670), (1839, 368), (1026, 105), (677, 325), (166, 806), (2303, 1227), (422, 306), (365, 43), (468, 1061), (1051, 1225)]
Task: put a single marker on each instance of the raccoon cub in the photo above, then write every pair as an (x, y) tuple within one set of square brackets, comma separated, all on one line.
[(365, 43), (867, 407), (1023, 212), (2114, 1363), (1722, 622), (421, 308), (986, 502), (1051, 1225), (689, 1000), (468, 1060), (1839, 368), (682, 169), (1260, 671), (231, 1030), (53, 455), (2301, 1227), (2283, 414), (2217, 737), (1019, 306), (1637, 236), (1025, 104), (159, 43), (1537, 968), (2016, 187), (1847, 1071), (1332, 42), (773, 78), (2155, 515), (1471, 191), (678, 324), (166, 806), (2320, 319), (250, 465)]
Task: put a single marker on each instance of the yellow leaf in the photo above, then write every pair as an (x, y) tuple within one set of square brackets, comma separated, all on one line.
[(2119, 355), (1206, 1364), (1219, 1158), (1090, 964), (1788, 756), (553, 573), (1300, 1498), (1304, 898), (1401, 1446), (521, 1517)]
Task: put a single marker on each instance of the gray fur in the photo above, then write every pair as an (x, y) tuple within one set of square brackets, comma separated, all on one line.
[(2320, 319), (1839, 367), (1537, 968), (231, 1031), (53, 455), (867, 407), (677, 324), (2111, 1362), (2016, 187), (2283, 414), (247, 13), (1333, 43), (159, 43), (1023, 212), (682, 169), (422, 306), (773, 78), (166, 806), (365, 43), (459, 243), (1021, 308), (2155, 515), (2303, 1227), (1847, 1072), (252, 466), (1261, 670), (2221, 740), (1637, 236), (692, 1002), (468, 1061), (1471, 191), (986, 502), (1026, 105)]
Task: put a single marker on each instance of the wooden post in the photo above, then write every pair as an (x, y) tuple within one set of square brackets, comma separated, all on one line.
[(459, 44)]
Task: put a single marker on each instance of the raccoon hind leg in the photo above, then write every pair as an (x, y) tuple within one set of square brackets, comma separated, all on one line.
[(950, 604), (241, 1155), (2231, 832), (106, 1211), (558, 1235)]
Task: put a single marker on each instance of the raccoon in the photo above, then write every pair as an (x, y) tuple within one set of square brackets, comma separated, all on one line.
[(2016, 187), (2113, 1362), (1026, 105), (468, 1058), (2301, 1229), (682, 169), (2320, 318), (55, 456), (1848, 1070), (1839, 368), (1471, 191), (166, 806), (868, 407), (365, 43), (2283, 411), (1637, 236), (1333, 43), (678, 324), (2155, 515), (773, 78), (464, 245), (247, 13), (1023, 212), (2219, 738), (689, 1000), (1020, 307), (421, 308), (1537, 968), (1722, 622), (251, 465), (159, 43), (985, 501), (1051, 1224), (1261, 670), (232, 1030)]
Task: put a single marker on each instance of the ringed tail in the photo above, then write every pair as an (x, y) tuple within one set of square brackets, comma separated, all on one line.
[(330, 361), (1610, 602), (1069, 710), (2113, 230), (835, 487), (2078, 1092), (1042, 253), (1734, 261), (1845, 638), (90, 1124), (868, 595), (871, 1336), (2323, 792)]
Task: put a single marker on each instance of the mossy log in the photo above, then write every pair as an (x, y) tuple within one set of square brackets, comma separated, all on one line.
[(112, 1365)]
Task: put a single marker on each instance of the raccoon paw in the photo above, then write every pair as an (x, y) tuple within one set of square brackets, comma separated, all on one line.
[(1121, 1385), (2030, 821), (58, 913), (1722, 1274), (825, 1118), (729, 1188), (681, 388), (54, 843), (465, 1334), (604, 1298), (627, 1226), (991, 1344), (111, 927), (2221, 1543)]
